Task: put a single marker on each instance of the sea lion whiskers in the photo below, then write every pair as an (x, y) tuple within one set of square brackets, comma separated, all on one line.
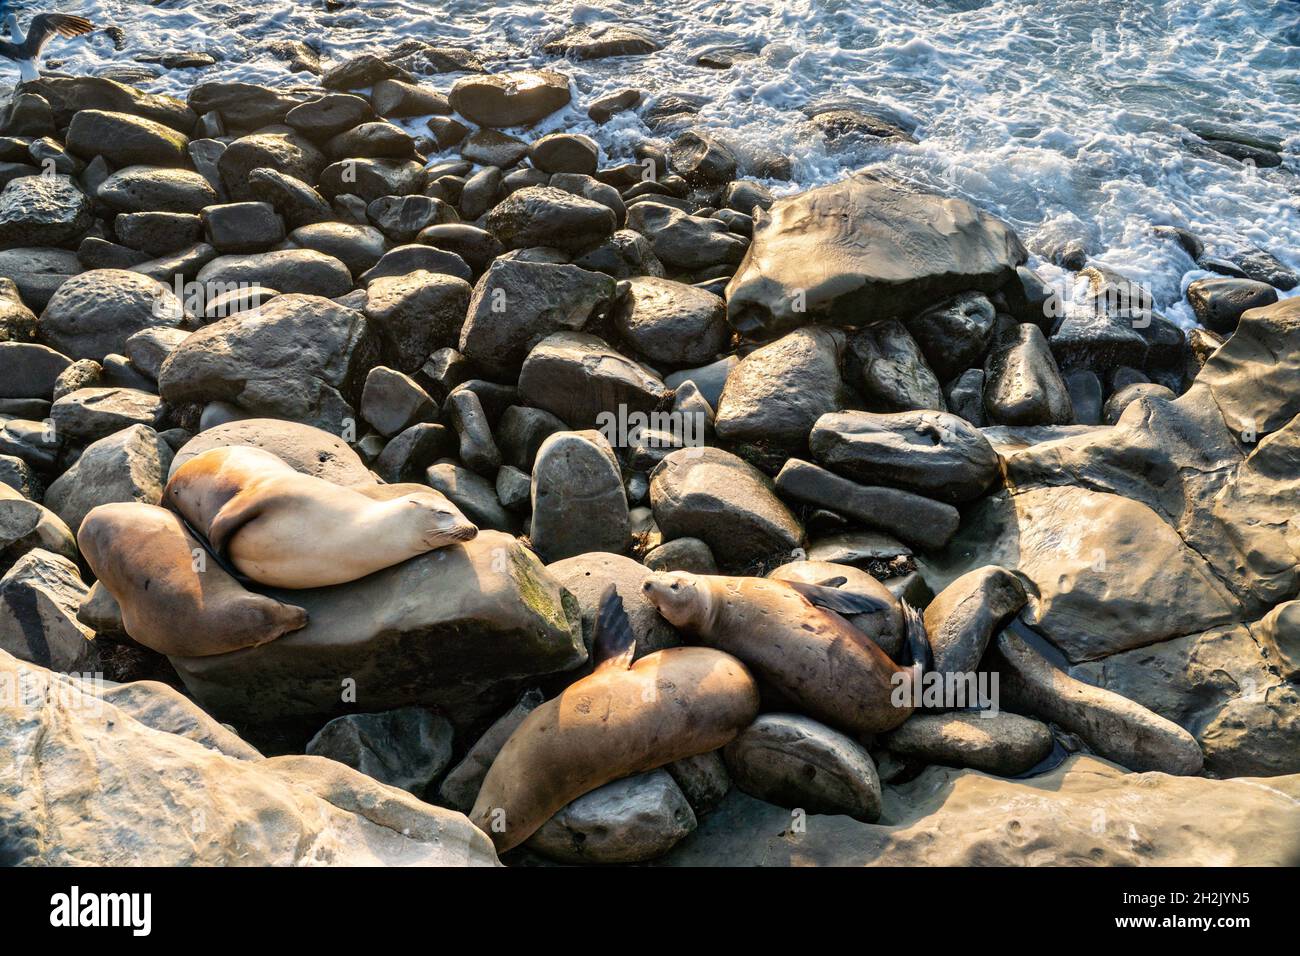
[(680, 598)]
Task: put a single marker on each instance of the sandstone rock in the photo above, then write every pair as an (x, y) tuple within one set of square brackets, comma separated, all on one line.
[(301, 357), (793, 761), (405, 748), (1126, 396), (41, 594), (865, 248), (1086, 811), (631, 820), (1001, 744), (712, 495), (164, 800), (412, 634), (578, 501)]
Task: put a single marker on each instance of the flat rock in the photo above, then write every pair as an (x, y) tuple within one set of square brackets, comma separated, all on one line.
[(865, 248)]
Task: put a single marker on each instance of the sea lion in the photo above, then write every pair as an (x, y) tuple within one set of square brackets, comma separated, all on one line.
[(174, 599), (282, 528), (621, 719), (792, 636)]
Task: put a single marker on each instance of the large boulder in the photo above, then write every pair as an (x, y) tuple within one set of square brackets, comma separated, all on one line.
[(155, 188), (173, 788), (1086, 811), (130, 465), (306, 449), (868, 247), (94, 313), (299, 357), (125, 140), (671, 322), (581, 380), (40, 595), (460, 629), (417, 313), (545, 216), (67, 95)]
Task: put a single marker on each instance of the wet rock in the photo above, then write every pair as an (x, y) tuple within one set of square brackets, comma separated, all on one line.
[(1219, 303), (607, 107), (631, 820), (672, 323), (297, 202), (157, 233), (893, 251), (887, 367), (1022, 385), (931, 453), (1085, 396), (587, 575), (405, 748), (41, 593), (152, 188), (94, 313), (397, 99), (795, 762), (301, 357), (42, 211), (921, 522), (446, 131), (517, 304), (684, 242), (955, 333), (702, 159), (577, 377), (416, 313), (377, 140), (326, 116), (544, 216), (500, 100), (401, 218), (599, 41), (1113, 726), (774, 396), (244, 105), (1001, 744), (565, 153), (578, 500), (712, 495), (370, 178)]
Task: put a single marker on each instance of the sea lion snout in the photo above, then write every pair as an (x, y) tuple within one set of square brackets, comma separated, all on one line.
[(446, 524)]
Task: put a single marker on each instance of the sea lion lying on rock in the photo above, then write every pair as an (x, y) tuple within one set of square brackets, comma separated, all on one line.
[(621, 719), (286, 529), (174, 599), (792, 635)]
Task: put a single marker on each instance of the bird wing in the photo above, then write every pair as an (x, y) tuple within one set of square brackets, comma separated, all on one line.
[(46, 25)]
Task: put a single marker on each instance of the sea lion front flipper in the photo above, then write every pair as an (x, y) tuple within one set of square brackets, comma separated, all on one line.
[(614, 644), (234, 514), (833, 599), (836, 582)]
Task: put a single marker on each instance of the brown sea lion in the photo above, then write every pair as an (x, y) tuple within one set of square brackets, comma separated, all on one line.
[(173, 597), (792, 636), (286, 529), (621, 719)]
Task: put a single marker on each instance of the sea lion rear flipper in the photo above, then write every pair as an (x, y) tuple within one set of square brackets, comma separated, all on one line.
[(918, 640), (838, 581), (614, 644), (832, 599)]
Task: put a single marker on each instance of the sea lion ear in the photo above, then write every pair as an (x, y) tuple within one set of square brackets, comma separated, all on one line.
[(614, 643), (842, 602)]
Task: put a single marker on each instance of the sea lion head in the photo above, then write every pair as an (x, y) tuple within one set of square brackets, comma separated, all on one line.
[(681, 597), (441, 523)]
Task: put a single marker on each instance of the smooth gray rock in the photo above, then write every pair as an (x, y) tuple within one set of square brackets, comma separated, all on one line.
[(887, 367), (966, 615), (94, 313), (392, 402), (587, 575), (683, 242), (416, 314), (288, 271), (670, 322), (544, 216), (1003, 744), (129, 465), (1022, 385), (405, 748), (148, 188), (502, 100), (578, 500), (580, 379)]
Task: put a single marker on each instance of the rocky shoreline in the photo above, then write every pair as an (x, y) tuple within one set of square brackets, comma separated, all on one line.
[(616, 367)]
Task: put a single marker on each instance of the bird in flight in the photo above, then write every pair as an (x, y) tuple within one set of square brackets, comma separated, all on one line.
[(25, 50)]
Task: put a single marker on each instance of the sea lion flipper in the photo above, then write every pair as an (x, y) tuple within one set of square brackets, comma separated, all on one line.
[(838, 581), (614, 644), (918, 640), (833, 599), (234, 514)]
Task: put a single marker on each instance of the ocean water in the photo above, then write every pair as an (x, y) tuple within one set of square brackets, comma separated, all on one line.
[(1065, 118)]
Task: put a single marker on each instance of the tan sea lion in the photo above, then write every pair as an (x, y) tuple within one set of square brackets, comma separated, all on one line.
[(621, 719), (286, 529), (173, 597), (792, 636)]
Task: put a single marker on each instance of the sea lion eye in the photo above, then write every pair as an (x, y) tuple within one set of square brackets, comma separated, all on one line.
[(675, 586)]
